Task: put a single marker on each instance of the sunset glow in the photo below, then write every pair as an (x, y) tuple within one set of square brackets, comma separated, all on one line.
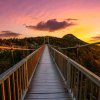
[(15, 15)]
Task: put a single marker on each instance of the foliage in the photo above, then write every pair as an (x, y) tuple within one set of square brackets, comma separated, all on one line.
[(89, 57)]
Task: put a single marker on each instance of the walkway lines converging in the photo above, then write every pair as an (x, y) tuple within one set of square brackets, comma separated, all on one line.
[(47, 83)]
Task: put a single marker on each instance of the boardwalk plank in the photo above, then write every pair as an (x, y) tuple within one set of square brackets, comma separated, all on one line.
[(47, 83)]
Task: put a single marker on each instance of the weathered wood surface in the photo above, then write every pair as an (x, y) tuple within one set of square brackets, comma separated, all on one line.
[(47, 84)]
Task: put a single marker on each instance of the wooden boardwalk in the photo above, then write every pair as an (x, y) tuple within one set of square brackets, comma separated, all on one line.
[(47, 83)]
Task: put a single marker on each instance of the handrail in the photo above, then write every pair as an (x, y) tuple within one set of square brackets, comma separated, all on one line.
[(15, 81), (4, 75), (79, 80), (13, 48), (88, 73), (80, 46)]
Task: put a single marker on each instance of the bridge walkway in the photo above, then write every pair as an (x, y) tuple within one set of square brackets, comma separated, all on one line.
[(47, 83)]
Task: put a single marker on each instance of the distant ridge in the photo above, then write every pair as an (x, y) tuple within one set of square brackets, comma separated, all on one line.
[(70, 38)]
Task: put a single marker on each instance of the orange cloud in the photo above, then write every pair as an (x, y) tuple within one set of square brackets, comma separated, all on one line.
[(95, 38)]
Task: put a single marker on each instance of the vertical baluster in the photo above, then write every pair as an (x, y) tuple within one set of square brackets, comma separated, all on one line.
[(65, 72), (13, 81), (71, 78), (78, 83), (86, 86), (19, 78), (81, 80), (17, 85), (24, 76), (9, 88), (60, 63), (22, 79), (64, 65), (56, 58), (26, 69), (54, 55), (74, 92), (91, 91), (99, 94), (3, 91), (68, 73)]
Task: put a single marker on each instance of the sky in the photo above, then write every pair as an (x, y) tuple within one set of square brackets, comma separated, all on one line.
[(31, 18)]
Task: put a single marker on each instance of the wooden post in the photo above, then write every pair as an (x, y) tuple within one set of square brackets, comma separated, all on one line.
[(13, 80), (24, 77), (54, 55), (65, 69), (91, 91), (3, 91), (68, 74), (78, 83), (81, 80), (85, 92), (74, 91), (17, 85), (26, 74), (20, 82), (71, 79), (99, 94), (9, 88)]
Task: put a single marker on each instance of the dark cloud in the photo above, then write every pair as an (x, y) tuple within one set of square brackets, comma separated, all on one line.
[(7, 34), (96, 38), (51, 25)]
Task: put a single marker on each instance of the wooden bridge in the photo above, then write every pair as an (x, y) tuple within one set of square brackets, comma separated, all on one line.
[(47, 74)]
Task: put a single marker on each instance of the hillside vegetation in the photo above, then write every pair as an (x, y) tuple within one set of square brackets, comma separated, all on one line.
[(88, 56)]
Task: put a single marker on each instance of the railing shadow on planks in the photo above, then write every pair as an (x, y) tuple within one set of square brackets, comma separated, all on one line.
[(81, 83), (14, 82)]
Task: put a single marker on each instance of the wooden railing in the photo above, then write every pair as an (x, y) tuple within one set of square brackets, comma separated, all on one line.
[(81, 83), (14, 82)]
